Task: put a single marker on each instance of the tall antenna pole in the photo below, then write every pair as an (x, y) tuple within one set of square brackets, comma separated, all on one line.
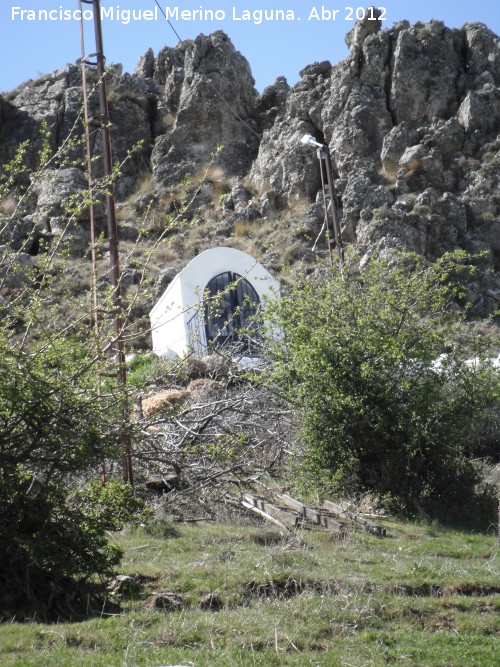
[(118, 342)]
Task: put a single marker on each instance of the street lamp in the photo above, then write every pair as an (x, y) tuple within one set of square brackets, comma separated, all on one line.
[(332, 216)]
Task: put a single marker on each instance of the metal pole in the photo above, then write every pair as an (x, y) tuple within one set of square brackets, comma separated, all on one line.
[(337, 236), (94, 315), (118, 343), (328, 231)]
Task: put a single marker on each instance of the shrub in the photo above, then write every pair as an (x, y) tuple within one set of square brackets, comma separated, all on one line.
[(49, 432), (377, 412)]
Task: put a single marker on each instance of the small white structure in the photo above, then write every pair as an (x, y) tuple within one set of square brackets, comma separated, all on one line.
[(214, 295)]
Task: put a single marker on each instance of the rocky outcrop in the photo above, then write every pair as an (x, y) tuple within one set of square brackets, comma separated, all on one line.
[(47, 112), (411, 118), (172, 113), (207, 100), (169, 118)]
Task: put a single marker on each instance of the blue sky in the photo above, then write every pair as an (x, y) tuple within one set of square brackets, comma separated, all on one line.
[(29, 48)]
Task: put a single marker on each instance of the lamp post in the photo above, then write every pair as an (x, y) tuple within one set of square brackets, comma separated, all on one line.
[(332, 216)]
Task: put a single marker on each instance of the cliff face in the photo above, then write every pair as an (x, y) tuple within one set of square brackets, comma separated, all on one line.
[(179, 106), (411, 117), (412, 120)]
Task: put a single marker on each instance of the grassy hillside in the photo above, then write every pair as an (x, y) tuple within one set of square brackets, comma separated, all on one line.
[(227, 595)]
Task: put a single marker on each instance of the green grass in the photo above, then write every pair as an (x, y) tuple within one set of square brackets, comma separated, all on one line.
[(425, 595)]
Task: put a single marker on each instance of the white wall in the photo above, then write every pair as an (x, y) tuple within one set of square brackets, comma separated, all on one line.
[(167, 322)]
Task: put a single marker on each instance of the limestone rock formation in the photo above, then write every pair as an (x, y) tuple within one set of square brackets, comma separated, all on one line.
[(412, 120), (169, 118), (411, 117), (207, 99)]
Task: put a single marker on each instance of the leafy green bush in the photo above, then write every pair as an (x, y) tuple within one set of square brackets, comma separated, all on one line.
[(386, 402), (49, 431), (158, 527)]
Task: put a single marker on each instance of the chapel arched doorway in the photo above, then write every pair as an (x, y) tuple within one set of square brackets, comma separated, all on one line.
[(230, 306)]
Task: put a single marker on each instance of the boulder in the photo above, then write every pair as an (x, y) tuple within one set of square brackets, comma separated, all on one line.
[(167, 601)]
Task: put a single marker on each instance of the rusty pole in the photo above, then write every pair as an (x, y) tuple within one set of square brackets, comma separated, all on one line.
[(118, 342), (94, 309)]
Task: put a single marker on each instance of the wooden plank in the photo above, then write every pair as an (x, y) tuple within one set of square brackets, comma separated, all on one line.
[(312, 514), (262, 514), (332, 524), (281, 516), (277, 512), (292, 503), (356, 518)]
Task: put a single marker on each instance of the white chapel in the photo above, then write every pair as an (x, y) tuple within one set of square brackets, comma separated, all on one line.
[(185, 321)]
